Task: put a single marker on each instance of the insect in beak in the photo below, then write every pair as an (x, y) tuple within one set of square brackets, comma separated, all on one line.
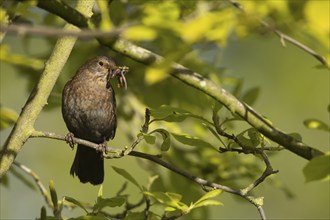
[(120, 71)]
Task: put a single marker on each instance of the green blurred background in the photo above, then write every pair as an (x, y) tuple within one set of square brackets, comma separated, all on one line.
[(292, 90)]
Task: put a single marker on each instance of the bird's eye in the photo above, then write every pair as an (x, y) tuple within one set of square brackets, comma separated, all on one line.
[(101, 63)]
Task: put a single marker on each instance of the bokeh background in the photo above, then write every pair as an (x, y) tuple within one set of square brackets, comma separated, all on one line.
[(292, 89)]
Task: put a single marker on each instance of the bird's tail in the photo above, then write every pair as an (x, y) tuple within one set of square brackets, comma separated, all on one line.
[(88, 165)]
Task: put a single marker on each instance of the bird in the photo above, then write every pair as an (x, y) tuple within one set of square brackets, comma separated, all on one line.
[(89, 112)]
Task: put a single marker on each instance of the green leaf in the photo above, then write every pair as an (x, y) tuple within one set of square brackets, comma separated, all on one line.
[(254, 136), (139, 33), (43, 213), (170, 114), (192, 141), (150, 139), (53, 194), (253, 139), (316, 124), (100, 193), (7, 117), (206, 203), (318, 168), (76, 202), (204, 200), (127, 176), (251, 96), (166, 138), (210, 194), (169, 199), (151, 180), (109, 202)]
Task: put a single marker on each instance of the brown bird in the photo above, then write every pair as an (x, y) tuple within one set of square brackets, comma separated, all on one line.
[(89, 111)]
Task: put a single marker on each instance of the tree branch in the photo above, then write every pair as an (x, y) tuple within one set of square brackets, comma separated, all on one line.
[(213, 90), (24, 126), (40, 185), (156, 159), (197, 81)]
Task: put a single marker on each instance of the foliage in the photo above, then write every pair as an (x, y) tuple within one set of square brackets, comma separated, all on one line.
[(188, 128)]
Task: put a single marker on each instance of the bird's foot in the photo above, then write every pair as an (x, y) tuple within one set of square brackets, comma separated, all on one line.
[(103, 148), (69, 138)]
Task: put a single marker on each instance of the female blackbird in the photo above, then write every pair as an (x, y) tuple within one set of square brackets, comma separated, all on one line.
[(89, 111)]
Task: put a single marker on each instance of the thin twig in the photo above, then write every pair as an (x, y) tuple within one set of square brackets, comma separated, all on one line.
[(40, 185), (247, 150), (283, 37)]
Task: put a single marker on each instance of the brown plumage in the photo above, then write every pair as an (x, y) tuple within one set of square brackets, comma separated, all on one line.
[(89, 111)]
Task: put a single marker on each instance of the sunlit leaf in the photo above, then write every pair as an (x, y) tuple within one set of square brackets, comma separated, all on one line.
[(320, 29), (127, 176), (100, 193), (196, 28), (210, 194), (140, 33), (205, 199), (316, 124), (168, 198), (318, 168), (161, 14), (105, 23), (3, 16), (207, 202), (155, 74)]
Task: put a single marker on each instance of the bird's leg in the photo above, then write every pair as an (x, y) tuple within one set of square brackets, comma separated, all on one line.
[(69, 139)]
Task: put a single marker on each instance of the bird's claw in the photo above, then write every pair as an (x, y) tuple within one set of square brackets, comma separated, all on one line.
[(69, 139), (103, 148)]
